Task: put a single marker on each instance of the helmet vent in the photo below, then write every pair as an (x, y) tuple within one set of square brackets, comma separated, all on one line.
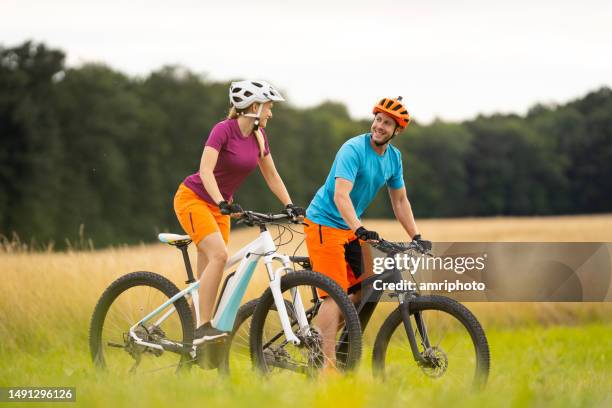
[(397, 107), (248, 93), (389, 103), (236, 89), (237, 99), (257, 84)]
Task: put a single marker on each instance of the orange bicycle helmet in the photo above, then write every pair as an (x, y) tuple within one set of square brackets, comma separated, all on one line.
[(394, 108)]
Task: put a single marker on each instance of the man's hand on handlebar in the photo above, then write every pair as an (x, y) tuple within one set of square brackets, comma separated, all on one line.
[(423, 244), (294, 211), (367, 235)]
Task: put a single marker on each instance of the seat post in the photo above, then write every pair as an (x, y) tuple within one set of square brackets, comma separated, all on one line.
[(190, 278)]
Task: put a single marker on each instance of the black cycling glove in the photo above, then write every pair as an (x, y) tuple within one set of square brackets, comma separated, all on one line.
[(422, 243), (227, 208), (294, 211), (365, 235)]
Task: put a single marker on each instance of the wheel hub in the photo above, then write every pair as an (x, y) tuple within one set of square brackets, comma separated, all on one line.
[(436, 362), (314, 348)]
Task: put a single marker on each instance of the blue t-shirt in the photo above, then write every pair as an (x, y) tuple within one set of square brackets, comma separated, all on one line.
[(358, 163)]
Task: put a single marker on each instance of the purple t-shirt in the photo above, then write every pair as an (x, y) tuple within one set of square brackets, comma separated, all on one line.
[(238, 157)]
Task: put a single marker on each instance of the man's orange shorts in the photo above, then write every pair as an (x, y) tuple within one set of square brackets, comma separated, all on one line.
[(334, 252), (199, 218)]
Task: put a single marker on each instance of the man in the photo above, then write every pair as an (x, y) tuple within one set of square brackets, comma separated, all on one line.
[(333, 226)]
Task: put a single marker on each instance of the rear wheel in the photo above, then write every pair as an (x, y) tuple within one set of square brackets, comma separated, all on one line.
[(128, 300)]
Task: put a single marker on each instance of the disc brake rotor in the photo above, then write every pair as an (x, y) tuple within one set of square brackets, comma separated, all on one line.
[(436, 362)]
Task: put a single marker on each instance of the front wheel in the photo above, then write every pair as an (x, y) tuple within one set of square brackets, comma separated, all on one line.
[(454, 347), (238, 356), (272, 352)]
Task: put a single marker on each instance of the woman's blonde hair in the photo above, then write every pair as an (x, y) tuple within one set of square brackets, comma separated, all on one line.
[(235, 114)]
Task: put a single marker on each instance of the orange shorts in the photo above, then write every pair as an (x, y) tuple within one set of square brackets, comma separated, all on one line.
[(197, 217), (334, 252)]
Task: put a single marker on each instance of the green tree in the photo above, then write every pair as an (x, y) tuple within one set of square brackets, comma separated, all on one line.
[(30, 147)]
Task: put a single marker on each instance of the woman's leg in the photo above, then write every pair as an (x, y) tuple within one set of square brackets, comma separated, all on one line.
[(202, 261), (212, 256)]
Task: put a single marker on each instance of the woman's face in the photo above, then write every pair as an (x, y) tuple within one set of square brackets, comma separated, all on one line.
[(266, 113)]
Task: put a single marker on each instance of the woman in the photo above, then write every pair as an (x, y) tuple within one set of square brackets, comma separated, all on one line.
[(204, 201)]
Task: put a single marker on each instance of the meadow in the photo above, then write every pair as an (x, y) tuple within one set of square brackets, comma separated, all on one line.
[(542, 354)]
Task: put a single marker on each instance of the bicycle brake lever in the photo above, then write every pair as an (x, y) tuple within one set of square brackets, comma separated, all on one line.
[(245, 220)]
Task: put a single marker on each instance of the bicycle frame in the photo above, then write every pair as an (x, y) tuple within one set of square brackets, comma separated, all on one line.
[(369, 301), (233, 293)]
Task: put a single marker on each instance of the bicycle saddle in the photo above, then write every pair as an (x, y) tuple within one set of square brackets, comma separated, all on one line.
[(174, 239)]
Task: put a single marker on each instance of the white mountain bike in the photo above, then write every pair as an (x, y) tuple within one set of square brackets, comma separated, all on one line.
[(144, 323)]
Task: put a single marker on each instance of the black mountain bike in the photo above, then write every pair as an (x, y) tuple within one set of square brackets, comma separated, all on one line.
[(424, 339)]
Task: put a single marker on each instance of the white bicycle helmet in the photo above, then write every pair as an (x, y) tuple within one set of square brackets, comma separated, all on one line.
[(243, 93)]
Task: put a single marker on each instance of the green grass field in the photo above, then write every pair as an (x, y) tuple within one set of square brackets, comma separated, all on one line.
[(548, 354), (532, 366)]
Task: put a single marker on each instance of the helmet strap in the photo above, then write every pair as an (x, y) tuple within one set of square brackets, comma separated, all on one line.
[(257, 116), (388, 139)]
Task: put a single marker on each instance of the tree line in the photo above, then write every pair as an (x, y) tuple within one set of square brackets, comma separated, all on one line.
[(92, 146)]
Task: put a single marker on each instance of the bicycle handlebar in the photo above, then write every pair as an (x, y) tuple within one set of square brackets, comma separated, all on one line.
[(390, 247), (256, 218)]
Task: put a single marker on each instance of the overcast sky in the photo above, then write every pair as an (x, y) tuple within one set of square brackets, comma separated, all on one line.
[(449, 59)]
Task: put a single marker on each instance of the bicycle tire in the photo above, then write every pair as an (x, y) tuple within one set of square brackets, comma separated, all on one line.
[(141, 279), (443, 305), (310, 279), (244, 313)]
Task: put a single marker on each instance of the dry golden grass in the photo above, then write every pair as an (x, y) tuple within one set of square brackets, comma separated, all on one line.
[(583, 228), (63, 287)]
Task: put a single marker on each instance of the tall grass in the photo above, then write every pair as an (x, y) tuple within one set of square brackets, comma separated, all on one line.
[(542, 353)]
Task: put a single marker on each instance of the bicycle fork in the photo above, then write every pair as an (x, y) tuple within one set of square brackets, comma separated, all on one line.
[(279, 301), (404, 306)]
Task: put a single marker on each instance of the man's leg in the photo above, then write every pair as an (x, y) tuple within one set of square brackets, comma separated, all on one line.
[(328, 321), (326, 251)]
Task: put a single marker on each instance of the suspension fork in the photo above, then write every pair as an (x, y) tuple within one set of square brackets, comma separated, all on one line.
[(422, 329), (404, 307), (279, 301)]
